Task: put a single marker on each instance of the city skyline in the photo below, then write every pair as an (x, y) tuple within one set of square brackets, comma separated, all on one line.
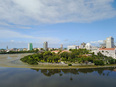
[(26, 23)]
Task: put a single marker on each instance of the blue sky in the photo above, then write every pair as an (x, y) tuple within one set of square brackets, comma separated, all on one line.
[(68, 22)]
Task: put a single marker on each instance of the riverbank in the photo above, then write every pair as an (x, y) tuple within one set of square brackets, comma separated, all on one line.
[(59, 67)]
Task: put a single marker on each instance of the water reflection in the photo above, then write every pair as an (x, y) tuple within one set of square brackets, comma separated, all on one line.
[(50, 72), (14, 77)]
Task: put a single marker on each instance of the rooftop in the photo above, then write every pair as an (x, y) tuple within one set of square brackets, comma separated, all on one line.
[(107, 49)]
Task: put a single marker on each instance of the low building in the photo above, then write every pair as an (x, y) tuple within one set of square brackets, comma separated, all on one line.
[(50, 49), (82, 46), (20, 49), (35, 49), (14, 49), (24, 49), (73, 47), (109, 52)]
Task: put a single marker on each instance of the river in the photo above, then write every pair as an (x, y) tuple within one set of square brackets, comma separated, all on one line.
[(22, 77)]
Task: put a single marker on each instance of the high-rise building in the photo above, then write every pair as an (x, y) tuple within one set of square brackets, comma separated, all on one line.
[(61, 47), (7, 48), (45, 46), (30, 46), (110, 42)]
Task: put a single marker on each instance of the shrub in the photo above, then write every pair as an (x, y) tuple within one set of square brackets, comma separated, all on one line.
[(69, 64), (99, 62), (112, 61)]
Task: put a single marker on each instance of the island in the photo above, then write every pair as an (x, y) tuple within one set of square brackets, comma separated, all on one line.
[(72, 57)]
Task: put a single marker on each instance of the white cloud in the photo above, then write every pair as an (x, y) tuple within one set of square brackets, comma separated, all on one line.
[(12, 34), (26, 12), (97, 42), (8, 34)]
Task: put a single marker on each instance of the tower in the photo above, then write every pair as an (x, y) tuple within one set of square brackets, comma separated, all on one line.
[(110, 42), (61, 47), (45, 46), (7, 48), (30, 46)]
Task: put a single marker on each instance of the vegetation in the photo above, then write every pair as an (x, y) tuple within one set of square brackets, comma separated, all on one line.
[(69, 64), (75, 56)]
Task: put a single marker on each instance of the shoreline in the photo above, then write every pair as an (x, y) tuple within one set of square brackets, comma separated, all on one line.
[(61, 67)]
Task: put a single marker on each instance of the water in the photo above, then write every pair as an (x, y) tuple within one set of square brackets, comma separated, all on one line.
[(21, 77)]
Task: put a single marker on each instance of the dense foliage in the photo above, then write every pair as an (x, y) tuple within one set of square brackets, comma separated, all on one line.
[(75, 56)]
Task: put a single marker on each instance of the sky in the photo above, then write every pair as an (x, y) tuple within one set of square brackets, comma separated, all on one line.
[(67, 22)]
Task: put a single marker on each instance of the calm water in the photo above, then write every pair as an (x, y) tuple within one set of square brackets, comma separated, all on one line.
[(14, 77)]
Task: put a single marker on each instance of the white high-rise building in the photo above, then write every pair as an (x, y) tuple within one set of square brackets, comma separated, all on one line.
[(110, 42), (45, 46)]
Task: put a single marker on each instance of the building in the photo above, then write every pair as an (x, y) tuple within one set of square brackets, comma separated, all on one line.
[(20, 49), (50, 49), (73, 47), (88, 46), (30, 46), (110, 52), (45, 46), (14, 49), (35, 49), (7, 48), (83, 44), (24, 49), (110, 42), (103, 45), (61, 47)]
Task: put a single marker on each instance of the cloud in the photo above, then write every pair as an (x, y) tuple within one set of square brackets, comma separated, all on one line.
[(19, 38), (97, 42), (4, 33), (26, 12)]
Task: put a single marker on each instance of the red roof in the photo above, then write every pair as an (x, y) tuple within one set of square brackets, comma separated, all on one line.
[(106, 48), (56, 51)]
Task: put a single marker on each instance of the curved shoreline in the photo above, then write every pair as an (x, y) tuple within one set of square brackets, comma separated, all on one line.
[(60, 67)]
